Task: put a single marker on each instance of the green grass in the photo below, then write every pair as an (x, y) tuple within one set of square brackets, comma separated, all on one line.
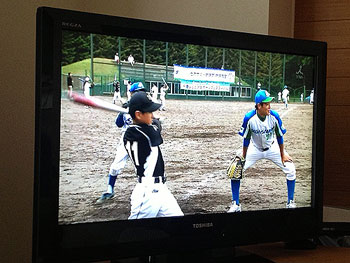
[(102, 66)]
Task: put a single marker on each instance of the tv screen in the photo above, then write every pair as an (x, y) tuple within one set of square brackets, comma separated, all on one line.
[(212, 89)]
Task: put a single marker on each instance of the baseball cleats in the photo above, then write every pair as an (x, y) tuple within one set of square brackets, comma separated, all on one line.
[(234, 208), (105, 197), (291, 204)]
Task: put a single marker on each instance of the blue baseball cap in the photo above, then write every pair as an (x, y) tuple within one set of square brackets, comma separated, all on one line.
[(262, 96), (138, 86)]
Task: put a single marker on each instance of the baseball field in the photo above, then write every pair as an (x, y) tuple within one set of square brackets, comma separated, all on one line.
[(200, 138)]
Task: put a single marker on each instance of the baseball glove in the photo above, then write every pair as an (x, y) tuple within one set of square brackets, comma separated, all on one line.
[(235, 169)]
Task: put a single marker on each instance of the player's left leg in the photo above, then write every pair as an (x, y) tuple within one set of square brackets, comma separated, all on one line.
[(289, 170), (119, 97), (169, 206), (70, 91), (115, 169), (162, 101), (114, 97), (141, 206)]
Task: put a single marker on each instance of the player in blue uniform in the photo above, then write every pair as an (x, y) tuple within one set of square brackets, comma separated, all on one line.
[(122, 121), (150, 197), (262, 131)]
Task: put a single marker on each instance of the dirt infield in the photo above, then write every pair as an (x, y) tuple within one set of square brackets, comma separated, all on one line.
[(200, 137)]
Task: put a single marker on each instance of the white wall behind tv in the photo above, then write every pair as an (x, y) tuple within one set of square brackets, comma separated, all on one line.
[(17, 54)]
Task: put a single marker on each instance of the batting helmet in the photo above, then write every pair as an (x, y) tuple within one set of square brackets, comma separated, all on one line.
[(138, 86)]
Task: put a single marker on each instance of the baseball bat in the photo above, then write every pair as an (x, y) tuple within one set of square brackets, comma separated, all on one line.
[(96, 103), (164, 82)]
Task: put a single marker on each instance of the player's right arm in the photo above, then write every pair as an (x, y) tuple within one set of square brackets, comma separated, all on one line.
[(245, 131), (244, 153)]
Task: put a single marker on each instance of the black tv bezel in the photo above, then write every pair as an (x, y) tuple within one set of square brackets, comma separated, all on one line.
[(113, 239)]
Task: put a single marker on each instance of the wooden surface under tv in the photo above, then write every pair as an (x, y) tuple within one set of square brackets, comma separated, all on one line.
[(277, 253)]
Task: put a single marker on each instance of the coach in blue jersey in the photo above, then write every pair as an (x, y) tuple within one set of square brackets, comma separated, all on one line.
[(150, 197), (262, 131)]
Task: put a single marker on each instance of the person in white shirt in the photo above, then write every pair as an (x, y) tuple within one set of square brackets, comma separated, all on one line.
[(128, 94), (312, 97), (116, 57), (279, 98), (262, 131), (87, 86), (163, 91), (131, 60), (154, 92), (285, 96)]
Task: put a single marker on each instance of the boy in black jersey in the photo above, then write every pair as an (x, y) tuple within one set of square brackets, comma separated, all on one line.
[(150, 197)]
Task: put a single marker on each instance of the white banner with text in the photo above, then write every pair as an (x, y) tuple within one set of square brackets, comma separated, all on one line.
[(204, 74), (200, 79)]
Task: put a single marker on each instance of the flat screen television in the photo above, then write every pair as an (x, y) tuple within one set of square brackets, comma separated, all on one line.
[(212, 78)]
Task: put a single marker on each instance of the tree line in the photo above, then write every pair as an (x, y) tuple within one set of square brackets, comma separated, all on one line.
[(272, 70)]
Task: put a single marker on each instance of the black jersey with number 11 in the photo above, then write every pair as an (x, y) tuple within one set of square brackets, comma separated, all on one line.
[(142, 144)]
